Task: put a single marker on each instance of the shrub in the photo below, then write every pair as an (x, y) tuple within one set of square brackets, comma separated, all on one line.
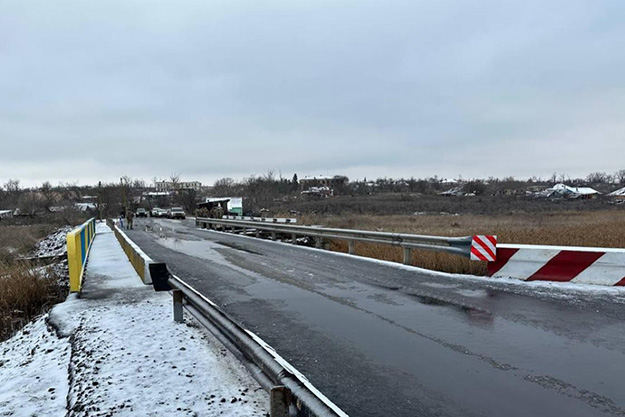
[(25, 293)]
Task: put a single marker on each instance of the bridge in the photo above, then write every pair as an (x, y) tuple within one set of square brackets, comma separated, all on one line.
[(374, 338)]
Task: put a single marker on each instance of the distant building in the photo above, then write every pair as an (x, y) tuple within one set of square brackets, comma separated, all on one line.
[(618, 194), (233, 205), (321, 181), (163, 186), (565, 191), (318, 192)]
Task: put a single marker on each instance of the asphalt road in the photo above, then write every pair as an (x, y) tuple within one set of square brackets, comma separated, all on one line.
[(385, 341)]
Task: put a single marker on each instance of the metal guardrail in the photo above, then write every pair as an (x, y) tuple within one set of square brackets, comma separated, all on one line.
[(262, 219), (454, 245), (291, 394)]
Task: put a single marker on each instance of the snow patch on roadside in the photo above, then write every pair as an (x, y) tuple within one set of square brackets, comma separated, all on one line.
[(135, 360), (116, 351), (33, 371)]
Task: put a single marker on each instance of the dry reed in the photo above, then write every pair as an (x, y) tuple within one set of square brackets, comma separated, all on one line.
[(599, 228)]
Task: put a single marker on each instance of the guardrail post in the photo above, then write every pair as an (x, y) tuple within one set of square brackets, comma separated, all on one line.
[(294, 238), (407, 256), (318, 242), (178, 318), (257, 233), (278, 402), (352, 246), (273, 235)]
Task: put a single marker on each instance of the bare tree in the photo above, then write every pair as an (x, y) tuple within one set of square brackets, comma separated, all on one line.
[(187, 198), (138, 183), (174, 179), (30, 203), (598, 178), (49, 195), (12, 192), (476, 187), (12, 186), (223, 187)]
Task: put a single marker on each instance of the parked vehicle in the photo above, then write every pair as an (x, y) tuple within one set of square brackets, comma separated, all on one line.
[(176, 213), (141, 212), (159, 212)]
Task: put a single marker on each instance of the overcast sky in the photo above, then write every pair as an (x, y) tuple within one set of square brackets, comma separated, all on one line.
[(93, 90)]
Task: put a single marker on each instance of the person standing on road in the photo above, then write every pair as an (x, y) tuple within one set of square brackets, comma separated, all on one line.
[(121, 218), (129, 219)]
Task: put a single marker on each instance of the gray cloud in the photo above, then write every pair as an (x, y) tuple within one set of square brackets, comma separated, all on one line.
[(95, 90)]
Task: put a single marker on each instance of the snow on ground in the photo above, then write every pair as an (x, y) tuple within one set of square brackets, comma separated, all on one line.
[(33, 372), (55, 244), (116, 351)]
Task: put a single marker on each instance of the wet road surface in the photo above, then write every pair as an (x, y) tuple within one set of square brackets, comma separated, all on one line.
[(386, 341)]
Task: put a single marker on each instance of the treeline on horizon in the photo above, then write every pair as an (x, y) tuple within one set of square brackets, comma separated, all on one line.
[(260, 191)]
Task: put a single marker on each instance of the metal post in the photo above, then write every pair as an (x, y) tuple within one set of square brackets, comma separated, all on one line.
[(407, 260), (273, 235), (178, 306), (278, 402), (318, 242), (352, 246), (294, 238)]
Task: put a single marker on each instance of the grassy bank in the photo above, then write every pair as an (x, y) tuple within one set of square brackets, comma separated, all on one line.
[(570, 228), (26, 290), (24, 294)]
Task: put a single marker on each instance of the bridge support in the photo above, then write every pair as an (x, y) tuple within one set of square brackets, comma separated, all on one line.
[(278, 402), (407, 256), (178, 317)]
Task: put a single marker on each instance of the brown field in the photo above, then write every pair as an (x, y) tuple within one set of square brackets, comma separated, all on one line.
[(570, 228), (16, 241), (24, 293)]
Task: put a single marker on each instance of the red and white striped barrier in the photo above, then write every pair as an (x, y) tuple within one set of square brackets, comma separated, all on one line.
[(484, 248), (600, 266)]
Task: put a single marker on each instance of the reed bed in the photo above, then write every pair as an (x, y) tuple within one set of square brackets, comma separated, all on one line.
[(567, 228)]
